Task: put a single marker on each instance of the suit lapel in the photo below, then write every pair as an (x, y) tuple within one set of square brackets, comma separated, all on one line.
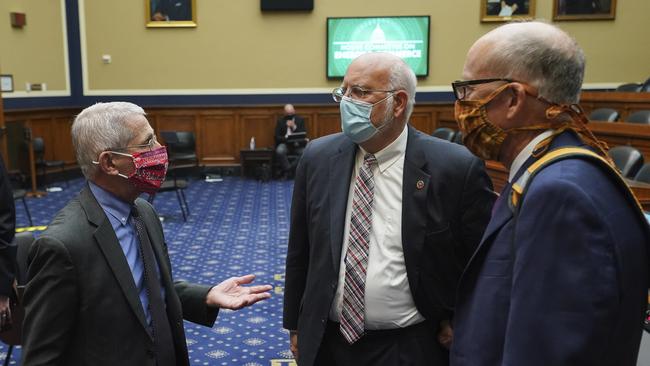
[(415, 185), (340, 172), (110, 247), (502, 213)]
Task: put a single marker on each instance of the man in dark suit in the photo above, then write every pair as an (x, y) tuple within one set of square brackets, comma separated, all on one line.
[(100, 288), (561, 274), (288, 125), (7, 248), (383, 220)]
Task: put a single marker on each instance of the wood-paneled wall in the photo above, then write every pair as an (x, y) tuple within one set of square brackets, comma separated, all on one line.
[(221, 132)]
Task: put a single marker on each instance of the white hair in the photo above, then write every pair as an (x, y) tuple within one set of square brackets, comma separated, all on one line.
[(540, 54), (403, 77), (101, 127)]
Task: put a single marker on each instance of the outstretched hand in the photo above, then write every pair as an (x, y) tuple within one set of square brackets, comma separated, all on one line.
[(229, 294)]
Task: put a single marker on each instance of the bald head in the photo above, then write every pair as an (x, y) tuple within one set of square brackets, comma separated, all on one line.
[(388, 70), (537, 53), (288, 109)]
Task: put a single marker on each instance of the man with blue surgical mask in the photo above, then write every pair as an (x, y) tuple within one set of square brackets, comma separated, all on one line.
[(383, 220)]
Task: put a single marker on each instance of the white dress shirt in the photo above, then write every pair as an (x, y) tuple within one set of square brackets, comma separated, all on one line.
[(388, 300), (525, 153)]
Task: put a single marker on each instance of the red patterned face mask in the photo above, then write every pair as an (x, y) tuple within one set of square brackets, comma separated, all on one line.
[(150, 169)]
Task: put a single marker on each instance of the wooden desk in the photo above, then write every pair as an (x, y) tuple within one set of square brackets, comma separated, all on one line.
[(499, 175), (623, 102), (251, 159)]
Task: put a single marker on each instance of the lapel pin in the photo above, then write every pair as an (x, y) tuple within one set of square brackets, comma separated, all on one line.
[(420, 184)]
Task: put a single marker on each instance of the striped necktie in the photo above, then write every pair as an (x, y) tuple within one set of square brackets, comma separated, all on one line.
[(356, 257)]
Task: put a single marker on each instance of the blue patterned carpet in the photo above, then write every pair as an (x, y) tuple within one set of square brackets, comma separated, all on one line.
[(236, 227)]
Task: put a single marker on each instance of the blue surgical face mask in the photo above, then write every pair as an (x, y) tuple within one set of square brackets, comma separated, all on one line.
[(355, 119)]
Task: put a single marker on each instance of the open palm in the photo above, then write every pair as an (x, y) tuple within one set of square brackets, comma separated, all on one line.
[(230, 294)]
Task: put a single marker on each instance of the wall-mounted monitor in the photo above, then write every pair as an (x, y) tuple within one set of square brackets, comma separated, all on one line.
[(404, 36), (275, 5)]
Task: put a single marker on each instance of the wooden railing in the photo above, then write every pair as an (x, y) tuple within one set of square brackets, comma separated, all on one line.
[(221, 132)]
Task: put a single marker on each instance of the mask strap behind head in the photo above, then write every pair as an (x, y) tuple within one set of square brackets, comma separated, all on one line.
[(577, 123)]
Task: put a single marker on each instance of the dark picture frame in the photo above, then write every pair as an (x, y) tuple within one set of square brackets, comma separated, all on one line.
[(170, 13), (6, 83), (584, 10), (506, 10)]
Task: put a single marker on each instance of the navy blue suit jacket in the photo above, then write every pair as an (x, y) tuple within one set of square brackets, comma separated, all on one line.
[(577, 290), (443, 219)]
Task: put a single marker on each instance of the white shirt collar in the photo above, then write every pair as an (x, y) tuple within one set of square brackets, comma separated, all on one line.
[(525, 153), (391, 153)]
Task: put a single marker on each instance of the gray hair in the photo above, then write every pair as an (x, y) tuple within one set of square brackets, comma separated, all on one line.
[(101, 127), (403, 77), (540, 54)]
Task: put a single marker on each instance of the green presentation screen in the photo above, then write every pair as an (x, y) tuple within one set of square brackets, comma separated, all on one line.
[(404, 36)]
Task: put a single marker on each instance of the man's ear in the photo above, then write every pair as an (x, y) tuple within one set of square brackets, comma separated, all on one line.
[(106, 163), (400, 102), (517, 98)]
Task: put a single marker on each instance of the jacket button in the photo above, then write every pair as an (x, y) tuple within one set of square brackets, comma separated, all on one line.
[(150, 353)]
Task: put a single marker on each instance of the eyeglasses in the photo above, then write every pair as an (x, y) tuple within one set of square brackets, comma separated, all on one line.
[(463, 88), (355, 92), (149, 145)]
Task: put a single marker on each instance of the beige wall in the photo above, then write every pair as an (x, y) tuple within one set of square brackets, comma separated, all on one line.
[(237, 48), (37, 52)]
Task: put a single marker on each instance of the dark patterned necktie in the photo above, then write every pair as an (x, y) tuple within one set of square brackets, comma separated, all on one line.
[(356, 257), (160, 328)]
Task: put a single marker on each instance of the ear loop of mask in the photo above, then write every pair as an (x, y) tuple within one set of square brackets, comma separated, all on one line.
[(118, 153), (579, 126)]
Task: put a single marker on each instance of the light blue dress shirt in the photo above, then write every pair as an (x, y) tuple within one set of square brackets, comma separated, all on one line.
[(119, 215)]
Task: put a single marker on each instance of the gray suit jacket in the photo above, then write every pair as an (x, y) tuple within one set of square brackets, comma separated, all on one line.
[(81, 303), (447, 198)]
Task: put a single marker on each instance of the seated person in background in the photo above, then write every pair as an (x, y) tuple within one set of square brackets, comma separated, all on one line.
[(286, 126)]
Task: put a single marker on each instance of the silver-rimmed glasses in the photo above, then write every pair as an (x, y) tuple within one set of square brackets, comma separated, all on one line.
[(355, 92)]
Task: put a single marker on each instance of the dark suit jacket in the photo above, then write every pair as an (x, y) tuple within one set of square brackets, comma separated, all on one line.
[(81, 303), (578, 290), (442, 222), (7, 231), (281, 128)]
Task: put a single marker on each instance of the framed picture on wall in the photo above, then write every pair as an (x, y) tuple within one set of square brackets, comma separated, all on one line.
[(584, 9), (170, 13), (505, 10), (6, 83)]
